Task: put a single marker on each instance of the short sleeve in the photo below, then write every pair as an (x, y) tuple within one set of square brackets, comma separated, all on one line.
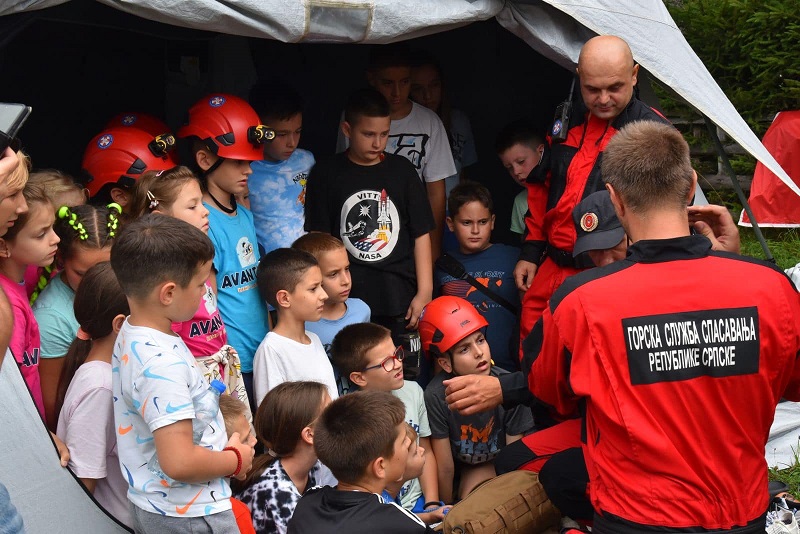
[(518, 420), (56, 332), (420, 216), (437, 413), (518, 213), (422, 414), (439, 162), (316, 202), (89, 433)]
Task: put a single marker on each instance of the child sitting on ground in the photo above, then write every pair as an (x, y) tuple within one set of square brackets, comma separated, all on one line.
[(85, 401), (291, 282), (451, 331), (284, 424), (362, 438), (340, 310), (491, 265), (236, 414), (162, 264), (366, 354), (434, 511), (520, 148)]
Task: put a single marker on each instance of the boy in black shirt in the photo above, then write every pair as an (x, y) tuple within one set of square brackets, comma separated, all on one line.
[(376, 204), (362, 438)]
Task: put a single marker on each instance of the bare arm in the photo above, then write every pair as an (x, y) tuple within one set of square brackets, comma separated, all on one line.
[(429, 479), (438, 200), (424, 267), (49, 375), (444, 467), (90, 483), (184, 461)]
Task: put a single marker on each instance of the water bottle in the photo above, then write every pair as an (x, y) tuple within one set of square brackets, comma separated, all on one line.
[(206, 407)]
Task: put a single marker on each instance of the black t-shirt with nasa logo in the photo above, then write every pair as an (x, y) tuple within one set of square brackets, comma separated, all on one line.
[(377, 211)]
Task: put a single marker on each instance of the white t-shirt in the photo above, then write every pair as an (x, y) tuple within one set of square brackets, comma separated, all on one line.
[(86, 426), (279, 359), (155, 386), (419, 137)]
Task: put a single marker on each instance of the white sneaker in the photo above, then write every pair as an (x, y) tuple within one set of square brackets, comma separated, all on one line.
[(783, 522)]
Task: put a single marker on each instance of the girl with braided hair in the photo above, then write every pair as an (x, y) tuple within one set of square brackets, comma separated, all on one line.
[(87, 233)]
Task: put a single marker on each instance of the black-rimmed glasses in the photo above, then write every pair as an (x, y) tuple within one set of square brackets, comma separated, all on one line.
[(388, 363)]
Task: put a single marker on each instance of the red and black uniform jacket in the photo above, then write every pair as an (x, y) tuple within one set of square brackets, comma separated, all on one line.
[(569, 172), (676, 357)]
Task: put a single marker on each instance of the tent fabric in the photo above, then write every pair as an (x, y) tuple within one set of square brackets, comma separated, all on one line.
[(48, 497), (555, 28), (770, 200)]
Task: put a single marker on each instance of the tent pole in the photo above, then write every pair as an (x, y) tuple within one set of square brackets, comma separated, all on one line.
[(712, 130)]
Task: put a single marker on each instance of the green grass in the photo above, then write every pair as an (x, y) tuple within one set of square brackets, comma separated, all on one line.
[(789, 475), (784, 243)]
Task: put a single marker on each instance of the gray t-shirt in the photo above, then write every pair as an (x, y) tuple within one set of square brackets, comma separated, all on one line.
[(474, 439)]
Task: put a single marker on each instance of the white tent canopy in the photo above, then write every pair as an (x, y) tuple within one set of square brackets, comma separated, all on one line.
[(555, 28)]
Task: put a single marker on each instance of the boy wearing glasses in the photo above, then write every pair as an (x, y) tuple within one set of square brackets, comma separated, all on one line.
[(367, 355), (452, 331), (291, 282)]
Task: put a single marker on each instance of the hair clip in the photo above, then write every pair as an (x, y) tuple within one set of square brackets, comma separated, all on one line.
[(65, 213), (272, 453), (153, 200), (113, 220)]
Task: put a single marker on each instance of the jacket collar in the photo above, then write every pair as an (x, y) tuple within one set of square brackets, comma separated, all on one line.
[(677, 248)]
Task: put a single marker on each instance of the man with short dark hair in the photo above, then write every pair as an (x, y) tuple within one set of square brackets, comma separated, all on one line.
[(676, 356)]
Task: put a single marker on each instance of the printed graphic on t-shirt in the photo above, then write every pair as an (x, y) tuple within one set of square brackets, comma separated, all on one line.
[(457, 142), (210, 300), (460, 288), (477, 445), (370, 225), (300, 179), (410, 146), (245, 252)]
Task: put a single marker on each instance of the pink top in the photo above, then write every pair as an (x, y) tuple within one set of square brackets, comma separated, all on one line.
[(25, 343), (204, 333)]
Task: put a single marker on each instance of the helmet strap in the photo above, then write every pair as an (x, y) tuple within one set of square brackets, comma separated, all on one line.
[(213, 167)]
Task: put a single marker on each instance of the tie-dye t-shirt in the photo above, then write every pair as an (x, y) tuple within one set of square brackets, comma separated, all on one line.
[(278, 198), (154, 384)]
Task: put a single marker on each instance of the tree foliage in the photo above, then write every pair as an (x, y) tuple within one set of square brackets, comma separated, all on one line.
[(751, 47)]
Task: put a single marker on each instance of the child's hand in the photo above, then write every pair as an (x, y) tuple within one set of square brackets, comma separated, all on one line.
[(415, 310), (434, 516), (246, 450), (63, 451)]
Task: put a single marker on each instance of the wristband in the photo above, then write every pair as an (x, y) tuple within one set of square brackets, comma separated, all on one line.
[(238, 460), (434, 505)]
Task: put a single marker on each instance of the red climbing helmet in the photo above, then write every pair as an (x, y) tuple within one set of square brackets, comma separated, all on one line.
[(120, 155), (445, 321), (141, 121), (228, 126)]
